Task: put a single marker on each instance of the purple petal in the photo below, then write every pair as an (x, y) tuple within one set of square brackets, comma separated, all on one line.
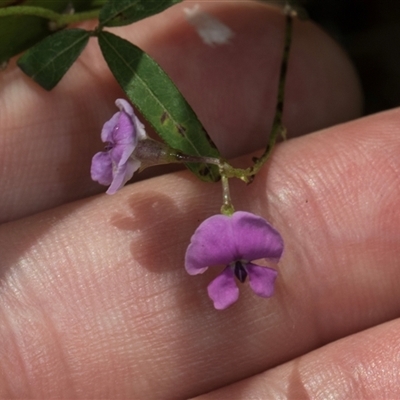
[(108, 128), (122, 175), (221, 240), (124, 106), (255, 238), (124, 132), (121, 153), (211, 244), (121, 128), (116, 166), (101, 168), (261, 279), (223, 290), (140, 131)]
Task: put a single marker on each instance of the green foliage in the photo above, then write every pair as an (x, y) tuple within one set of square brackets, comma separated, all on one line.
[(124, 12), (49, 60), (159, 101), (18, 33), (145, 83)]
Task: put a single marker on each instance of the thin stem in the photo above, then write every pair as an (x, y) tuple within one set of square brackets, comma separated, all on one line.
[(248, 174), (277, 125), (58, 18), (66, 19), (227, 207), (151, 152)]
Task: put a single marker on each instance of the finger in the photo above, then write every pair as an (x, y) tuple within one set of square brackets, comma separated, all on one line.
[(48, 139), (362, 366), (99, 285)]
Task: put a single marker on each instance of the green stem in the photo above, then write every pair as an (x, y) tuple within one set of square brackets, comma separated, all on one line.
[(227, 206), (277, 125), (59, 19), (248, 174)]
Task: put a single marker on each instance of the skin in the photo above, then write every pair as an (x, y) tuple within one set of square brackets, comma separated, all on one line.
[(94, 299)]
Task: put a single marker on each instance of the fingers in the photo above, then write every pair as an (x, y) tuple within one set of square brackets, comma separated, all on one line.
[(48, 139), (99, 285), (361, 366)]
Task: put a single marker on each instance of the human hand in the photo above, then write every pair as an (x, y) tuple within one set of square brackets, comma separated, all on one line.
[(94, 298)]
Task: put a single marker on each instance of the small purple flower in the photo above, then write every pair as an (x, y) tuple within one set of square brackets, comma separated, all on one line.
[(234, 241), (115, 166)]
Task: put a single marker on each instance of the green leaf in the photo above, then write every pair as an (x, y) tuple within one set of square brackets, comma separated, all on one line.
[(18, 33), (124, 12), (159, 101), (49, 60)]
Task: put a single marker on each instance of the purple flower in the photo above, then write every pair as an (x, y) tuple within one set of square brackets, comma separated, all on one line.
[(115, 165), (234, 241)]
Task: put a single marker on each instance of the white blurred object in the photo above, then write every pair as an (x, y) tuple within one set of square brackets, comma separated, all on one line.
[(211, 30)]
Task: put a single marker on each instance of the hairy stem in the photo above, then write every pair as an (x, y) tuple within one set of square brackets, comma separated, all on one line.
[(227, 207), (58, 19), (248, 174), (277, 125)]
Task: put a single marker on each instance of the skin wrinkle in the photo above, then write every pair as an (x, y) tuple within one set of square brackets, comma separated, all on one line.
[(316, 236), (296, 184), (318, 232), (86, 285), (183, 340), (286, 145), (187, 195), (42, 323), (375, 374), (341, 163), (11, 359), (359, 384), (332, 372), (30, 337)]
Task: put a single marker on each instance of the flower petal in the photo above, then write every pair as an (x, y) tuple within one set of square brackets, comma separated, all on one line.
[(101, 168), (108, 129), (121, 128), (116, 165), (121, 153), (261, 279), (223, 290), (139, 128), (124, 132), (255, 238), (122, 174), (211, 244), (124, 106)]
